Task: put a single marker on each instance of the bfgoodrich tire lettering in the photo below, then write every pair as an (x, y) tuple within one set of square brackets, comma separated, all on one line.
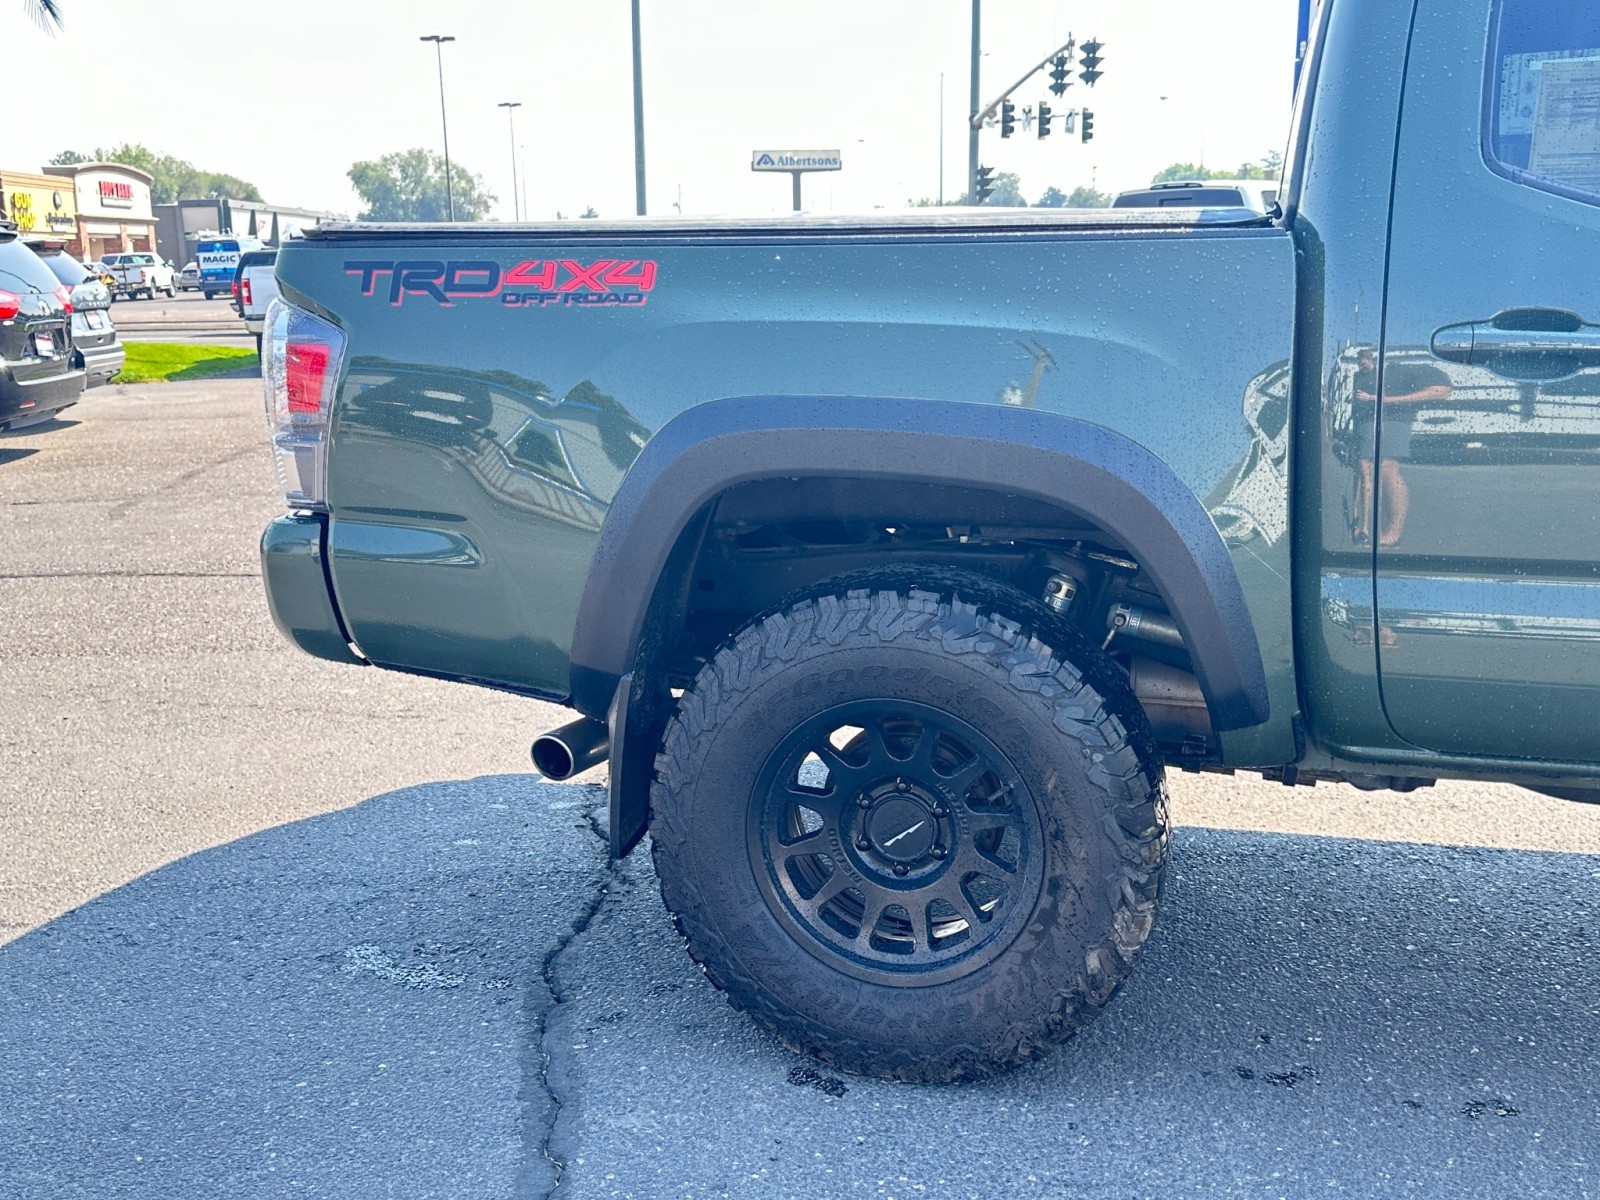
[(966, 703)]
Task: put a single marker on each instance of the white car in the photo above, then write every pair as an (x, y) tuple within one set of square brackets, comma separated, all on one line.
[(141, 273), (189, 277)]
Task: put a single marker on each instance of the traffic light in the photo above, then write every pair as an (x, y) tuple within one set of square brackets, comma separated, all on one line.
[(1008, 118), (1088, 125), (984, 184), (1090, 62), (1060, 74), (1044, 119)]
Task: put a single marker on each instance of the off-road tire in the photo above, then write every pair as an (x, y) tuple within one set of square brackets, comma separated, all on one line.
[(1080, 746)]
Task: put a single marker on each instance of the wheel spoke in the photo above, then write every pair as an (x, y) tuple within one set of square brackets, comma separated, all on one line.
[(835, 883), (981, 823), (976, 861), (815, 842), (965, 776), (921, 927), (824, 804), (877, 901), (841, 774), (953, 894)]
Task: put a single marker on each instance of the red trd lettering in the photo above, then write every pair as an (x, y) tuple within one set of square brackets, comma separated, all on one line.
[(581, 275), (524, 275), (621, 275)]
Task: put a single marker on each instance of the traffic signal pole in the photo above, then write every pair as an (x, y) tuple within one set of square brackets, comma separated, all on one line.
[(973, 123)]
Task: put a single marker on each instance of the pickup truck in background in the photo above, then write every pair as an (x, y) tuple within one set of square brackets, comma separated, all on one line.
[(254, 288), (140, 274), (892, 562)]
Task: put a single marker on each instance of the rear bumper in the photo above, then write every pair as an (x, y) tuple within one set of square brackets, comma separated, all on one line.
[(298, 593), (100, 363), (32, 399), (255, 324)]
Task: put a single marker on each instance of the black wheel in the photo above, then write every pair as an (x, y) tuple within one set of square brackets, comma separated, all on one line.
[(907, 835)]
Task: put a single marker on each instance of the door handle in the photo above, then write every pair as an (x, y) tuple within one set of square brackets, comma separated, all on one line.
[(1522, 343)]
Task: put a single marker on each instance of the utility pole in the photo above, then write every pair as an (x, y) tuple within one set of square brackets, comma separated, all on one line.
[(638, 117), (438, 41), (941, 139), (511, 107), (972, 115)]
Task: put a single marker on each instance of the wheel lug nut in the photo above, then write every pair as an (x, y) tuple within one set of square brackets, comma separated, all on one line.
[(863, 801), (939, 810), (938, 852), (901, 869), (863, 844), (900, 785)]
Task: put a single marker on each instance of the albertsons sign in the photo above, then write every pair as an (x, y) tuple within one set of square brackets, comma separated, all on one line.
[(795, 160)]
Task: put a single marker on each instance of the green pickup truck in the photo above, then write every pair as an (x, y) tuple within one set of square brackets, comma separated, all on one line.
[(891, 562)]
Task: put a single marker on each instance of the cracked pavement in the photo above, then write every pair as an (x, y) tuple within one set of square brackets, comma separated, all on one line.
[(274, 927)]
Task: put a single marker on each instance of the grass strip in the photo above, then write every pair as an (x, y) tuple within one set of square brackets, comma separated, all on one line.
[(165, 362)]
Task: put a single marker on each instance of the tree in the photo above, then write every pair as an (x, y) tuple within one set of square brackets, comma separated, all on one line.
[(1007, 194), (408, 185), (170, 178), (1079, 197), (46, 14), (588, 214), (1268, 168), (1184, 170), (1007, 191)]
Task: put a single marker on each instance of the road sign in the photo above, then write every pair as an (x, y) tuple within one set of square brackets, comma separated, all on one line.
[(795, 160)]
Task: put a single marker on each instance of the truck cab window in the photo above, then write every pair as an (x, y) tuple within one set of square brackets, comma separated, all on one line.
[(1542, 97)]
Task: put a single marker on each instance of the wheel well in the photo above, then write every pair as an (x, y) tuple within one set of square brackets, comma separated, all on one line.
[(760, 546)]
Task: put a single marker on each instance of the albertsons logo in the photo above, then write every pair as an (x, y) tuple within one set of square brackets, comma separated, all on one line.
[(795, 160)]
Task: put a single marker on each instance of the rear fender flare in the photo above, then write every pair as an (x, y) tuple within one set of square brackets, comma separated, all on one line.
[(1073, 464)]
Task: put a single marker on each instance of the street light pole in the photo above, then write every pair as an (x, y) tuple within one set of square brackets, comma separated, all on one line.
[(438, 41), (511, 107), (638, 117), (977, 101)]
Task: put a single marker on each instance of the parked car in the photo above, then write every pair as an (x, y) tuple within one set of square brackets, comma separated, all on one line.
[(189, 278), (39, 373), (255, 285), (1258, 195), (140, 273), (94, 338)]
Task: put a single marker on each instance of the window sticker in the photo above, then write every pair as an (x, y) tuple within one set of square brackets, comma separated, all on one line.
[(1566, 124), (1519, 86)]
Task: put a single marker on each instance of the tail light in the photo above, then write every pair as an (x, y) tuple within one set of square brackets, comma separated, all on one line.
[(235, 289), (301, 377), (10, 305), (64, 294), (144, 276), (244, 291)]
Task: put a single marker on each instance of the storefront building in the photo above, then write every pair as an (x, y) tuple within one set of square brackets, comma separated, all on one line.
[(114, 212), (39, 203), (179, 225)]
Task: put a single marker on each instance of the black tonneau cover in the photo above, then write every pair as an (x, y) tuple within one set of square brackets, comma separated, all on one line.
[(959, 221)]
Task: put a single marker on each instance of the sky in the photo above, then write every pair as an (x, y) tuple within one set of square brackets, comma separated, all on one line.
[(289, 93)]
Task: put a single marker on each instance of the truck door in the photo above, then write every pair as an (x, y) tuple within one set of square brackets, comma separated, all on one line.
[(1481, 498)]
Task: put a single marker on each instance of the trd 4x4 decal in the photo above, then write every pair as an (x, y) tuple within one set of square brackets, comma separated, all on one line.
[(533, 283)]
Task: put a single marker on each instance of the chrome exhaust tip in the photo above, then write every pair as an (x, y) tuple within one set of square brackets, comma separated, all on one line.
[(572, 749)]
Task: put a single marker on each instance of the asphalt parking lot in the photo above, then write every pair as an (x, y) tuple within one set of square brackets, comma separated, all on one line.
[(270, 926), (187, 317)]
